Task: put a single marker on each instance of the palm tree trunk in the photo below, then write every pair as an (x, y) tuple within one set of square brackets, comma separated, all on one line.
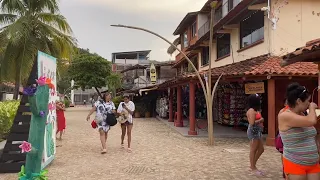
[(17, 82), (17, 85)]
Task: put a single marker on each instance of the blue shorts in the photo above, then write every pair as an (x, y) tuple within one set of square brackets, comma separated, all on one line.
[(254, 132)]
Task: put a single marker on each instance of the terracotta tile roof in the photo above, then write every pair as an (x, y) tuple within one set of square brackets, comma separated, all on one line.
[(258, 66), (264, 65), (306, 53)]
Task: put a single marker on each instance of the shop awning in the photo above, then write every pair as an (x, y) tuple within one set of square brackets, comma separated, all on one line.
[(149, 89)]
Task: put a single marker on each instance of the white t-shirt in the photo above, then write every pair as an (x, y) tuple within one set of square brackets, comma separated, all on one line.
[(130, 105)]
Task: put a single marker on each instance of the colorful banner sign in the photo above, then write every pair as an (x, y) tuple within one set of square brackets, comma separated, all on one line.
[(153, 74), (254, 88), (47, 66)]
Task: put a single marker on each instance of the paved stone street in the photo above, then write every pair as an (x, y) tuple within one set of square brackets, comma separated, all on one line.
[(158, 153)]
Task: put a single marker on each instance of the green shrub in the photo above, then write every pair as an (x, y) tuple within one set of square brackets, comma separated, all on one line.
[(117, 100), (8, 111), (66, 103)]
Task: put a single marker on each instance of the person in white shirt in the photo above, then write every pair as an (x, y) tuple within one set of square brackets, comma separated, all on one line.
[(126, 107)]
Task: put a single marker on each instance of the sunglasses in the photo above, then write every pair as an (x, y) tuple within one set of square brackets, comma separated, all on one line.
[(304, 91)]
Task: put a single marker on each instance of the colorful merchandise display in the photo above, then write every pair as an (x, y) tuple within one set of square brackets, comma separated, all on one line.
[(162, 107), (230, 104)]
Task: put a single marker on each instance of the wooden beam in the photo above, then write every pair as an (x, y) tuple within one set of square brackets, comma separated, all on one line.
[(257, 6), (231, 26), (195, 51), (204, 43)]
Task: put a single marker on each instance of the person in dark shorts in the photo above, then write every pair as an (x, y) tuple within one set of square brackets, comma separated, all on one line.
[(254, 132), (126, 108)]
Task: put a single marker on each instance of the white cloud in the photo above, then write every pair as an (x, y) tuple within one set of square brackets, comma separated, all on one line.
[(141, 6)]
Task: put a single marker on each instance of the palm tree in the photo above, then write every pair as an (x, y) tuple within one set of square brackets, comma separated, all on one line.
[(27, 26)]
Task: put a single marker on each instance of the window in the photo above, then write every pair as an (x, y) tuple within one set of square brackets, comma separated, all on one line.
[(223, 45), (185, 40), (225, 8), (252, 29), (205, 56), (77, 98), (218, 14), (236, 2), (194, 29)]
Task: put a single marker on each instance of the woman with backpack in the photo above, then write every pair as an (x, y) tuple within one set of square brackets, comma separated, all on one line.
[(105, 110)]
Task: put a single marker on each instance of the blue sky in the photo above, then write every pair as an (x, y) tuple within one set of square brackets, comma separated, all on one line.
[(91, 20)]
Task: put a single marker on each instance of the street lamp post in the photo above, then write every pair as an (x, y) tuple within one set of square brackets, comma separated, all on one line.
[(206, 83)]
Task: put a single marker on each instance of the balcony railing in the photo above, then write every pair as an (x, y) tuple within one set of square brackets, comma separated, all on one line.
[(204, 29)]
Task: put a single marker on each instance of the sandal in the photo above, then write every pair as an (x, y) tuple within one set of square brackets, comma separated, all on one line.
[(129, 150), (259, 173), (122, 146), (104, 151)]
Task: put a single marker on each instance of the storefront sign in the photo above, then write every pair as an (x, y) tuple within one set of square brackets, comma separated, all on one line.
[(153, 74), (254, 88), (47, 67)]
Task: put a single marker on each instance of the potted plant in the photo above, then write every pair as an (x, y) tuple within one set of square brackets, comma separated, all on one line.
[(139, 109), (147, 113)]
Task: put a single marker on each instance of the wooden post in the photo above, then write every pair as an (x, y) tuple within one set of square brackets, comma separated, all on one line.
[(192, 108), (171, 105), (271, 112), (179, 107)]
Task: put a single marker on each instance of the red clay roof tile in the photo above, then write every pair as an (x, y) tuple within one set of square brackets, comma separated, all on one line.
[(258, 66), (264, 65)]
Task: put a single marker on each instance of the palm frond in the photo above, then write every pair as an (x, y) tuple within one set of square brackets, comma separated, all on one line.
[(37, 6), (65, 43), (56, 20), (8, 18), (13, 6)]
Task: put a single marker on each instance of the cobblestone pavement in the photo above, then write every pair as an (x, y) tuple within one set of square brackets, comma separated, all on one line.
[(158, 153)]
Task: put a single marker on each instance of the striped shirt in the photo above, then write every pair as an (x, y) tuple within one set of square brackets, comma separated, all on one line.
[(299, 145)]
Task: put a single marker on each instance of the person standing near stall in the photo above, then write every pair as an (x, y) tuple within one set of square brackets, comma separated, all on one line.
[(254, 132)]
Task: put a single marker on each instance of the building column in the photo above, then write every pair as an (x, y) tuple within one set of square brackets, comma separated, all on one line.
[(192, 109), (179, 107), (271, 112), (171, 105)]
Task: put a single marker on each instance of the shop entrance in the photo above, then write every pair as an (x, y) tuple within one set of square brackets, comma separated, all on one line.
[(230, 106)]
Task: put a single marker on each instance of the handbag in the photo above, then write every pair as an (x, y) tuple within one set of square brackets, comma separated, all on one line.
[(111, 119), (278, 143), (94, 124)]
